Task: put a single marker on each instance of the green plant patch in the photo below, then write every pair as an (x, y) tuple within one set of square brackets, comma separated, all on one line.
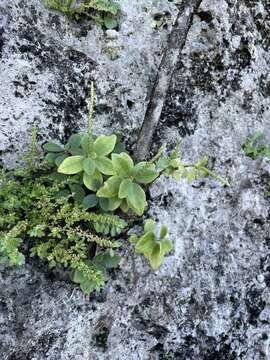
[(153, 247), (255, 148), (71, 205), (104, 12)]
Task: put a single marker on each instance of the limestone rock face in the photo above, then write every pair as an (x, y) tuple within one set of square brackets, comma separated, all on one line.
[(211, 298)]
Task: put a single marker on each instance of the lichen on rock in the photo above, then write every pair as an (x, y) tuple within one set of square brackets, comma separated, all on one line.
[(210, 300)]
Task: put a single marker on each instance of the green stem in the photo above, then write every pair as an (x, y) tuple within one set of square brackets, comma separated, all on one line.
[(157, 156), (210, 173), (90, 115)]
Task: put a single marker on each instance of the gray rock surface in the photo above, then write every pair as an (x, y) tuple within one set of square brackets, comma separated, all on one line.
[(211, 298)]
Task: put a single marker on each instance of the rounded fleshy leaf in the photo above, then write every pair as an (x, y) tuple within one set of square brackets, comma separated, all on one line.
[(146, 243), (144, 174), (124, 188), (163, 231), (74, 141), (137, 199), (93, 182), (149, 225), (51, 147), (110, 188), (90, 201), (104, 145), (51, 157), (71, 165), (166, 246), (104, 165), (122, 164), (60, 159), (89, 166), (156, 257)]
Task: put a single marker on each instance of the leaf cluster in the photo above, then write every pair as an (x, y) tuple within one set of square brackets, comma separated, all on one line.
[(50, 226), (152, 247), (104, 12), (254, 148), (66, 208)]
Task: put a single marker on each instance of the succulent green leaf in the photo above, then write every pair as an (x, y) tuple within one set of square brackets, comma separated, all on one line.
[(51, 157), (76, 151), (104, 145), (124, 206), (90, 201), (104, 165), (149, 225), (104, 203), (60, 159), (145, 175), (125, 188), (156, 257), (163, 231), (114, 203), (106, 260), (74, 141), (88, 286), (77, 276), (163, 163), (110, 23), (137, 199), (51, 147), (146, 243), (123, 164), (85, 144), (71, 165), (166, 246), (110, 188), (93, 182), (89, 166)]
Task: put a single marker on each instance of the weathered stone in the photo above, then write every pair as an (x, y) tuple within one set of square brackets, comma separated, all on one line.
[(210, 299)]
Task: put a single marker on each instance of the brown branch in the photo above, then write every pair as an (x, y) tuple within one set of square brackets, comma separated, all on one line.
[(162, 82)]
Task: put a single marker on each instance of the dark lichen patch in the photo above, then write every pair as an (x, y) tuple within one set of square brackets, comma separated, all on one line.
[(101, 338), (255, 304), (2, 41)]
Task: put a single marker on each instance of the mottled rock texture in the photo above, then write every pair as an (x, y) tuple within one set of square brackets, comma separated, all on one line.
[(211, 298)]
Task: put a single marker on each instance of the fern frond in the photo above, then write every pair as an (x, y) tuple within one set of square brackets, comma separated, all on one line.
[(102, 223)]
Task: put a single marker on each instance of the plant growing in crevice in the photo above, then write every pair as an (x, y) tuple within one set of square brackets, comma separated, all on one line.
[(104, 12), (254, 148), (71, 207), (152, 247)]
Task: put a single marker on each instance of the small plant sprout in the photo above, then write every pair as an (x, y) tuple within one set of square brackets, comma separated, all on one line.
[(104, 12), (254, 147), (152, 247)]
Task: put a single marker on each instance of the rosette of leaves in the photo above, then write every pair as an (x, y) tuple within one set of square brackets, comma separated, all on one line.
[(100, 263), (123, 189), (152, 247), (89, 158), (254, 147)]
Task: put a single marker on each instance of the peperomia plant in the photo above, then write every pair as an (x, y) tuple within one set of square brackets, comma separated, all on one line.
[(123, 189), (68, 208), (154, 249)]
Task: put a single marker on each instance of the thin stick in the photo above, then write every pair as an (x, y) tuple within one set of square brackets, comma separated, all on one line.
[(162, 82), (90, 114)]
